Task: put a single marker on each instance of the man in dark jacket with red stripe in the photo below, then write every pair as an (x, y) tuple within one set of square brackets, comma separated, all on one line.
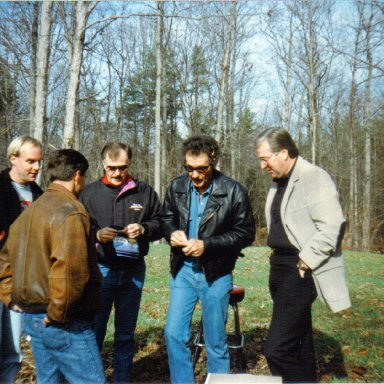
[(125, 218)]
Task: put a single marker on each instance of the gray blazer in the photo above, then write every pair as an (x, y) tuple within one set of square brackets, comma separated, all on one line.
[(314, 223)]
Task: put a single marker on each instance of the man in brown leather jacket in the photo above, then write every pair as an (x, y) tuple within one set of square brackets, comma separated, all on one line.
[(48, 270)]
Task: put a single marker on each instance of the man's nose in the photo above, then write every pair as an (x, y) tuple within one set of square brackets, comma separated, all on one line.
[(195, 173), (118, 171)]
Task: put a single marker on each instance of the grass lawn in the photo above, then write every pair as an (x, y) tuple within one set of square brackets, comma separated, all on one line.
[(349, 345)]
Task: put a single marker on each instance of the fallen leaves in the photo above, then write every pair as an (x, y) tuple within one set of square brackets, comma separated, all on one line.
[(359, 370), (346, 349)]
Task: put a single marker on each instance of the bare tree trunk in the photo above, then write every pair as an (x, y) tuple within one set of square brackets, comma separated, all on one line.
[(224, 75), (367, 140), (159, 72), (234, 134), (314, 124), (7, 108), (34, 40), (300, 118), (147, 163), (164, 134), (352, 148), (312, 87), (82, 13), (43, 50), (138, 159), (288, 79)]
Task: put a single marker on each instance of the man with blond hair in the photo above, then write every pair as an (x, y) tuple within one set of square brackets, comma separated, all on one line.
[(17, 190)]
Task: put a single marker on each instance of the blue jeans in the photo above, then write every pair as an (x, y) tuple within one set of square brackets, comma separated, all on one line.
[(68, 350), (121, 288), (189, 286), (10, 352)]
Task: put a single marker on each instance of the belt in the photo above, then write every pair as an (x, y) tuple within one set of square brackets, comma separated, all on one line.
[(284, 252)]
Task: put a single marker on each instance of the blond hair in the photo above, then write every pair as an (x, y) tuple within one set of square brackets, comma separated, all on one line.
[(15, 146)]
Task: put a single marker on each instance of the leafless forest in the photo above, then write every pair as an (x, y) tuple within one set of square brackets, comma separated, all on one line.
[(78, 74)]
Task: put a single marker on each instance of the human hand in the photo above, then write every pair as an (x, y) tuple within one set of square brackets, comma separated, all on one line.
[(194, 248), (16, 308), (104, 235), (178, 239), (302, 268), (134, 230), (46, 322)]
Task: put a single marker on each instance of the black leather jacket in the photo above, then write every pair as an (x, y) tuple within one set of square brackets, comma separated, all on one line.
[(227, 225)]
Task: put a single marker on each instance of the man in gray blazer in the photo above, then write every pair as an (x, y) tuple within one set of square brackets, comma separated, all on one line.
[(305, 228)]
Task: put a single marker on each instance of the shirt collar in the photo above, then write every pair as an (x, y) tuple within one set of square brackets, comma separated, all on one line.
[(283, 181), (193, 189)]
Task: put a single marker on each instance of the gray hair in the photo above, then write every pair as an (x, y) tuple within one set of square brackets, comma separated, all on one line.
[(113, 150), (278, 139)]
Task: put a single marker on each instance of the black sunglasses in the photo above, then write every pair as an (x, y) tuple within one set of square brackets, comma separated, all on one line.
[(113, 168), (198, 170)]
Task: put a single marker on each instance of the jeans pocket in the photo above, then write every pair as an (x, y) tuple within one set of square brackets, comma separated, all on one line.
[(55, 338), (51, 337)]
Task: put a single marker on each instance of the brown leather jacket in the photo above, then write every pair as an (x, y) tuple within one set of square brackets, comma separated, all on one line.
[(48, 263)]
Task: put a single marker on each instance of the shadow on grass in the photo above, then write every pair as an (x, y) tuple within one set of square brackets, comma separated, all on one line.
[(151, 360), (330, 359)]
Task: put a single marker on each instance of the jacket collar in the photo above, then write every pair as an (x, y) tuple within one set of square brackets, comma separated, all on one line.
[(298, 167), (54, 187), (130, 184), (294, 177), (6, 179), (5, 173), (214, 202)]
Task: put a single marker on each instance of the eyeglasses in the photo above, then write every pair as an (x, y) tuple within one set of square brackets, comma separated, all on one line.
[(113, 168), (265, 160), (198, 170)]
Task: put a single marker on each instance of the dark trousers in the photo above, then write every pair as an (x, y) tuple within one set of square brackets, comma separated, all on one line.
[(289, 348)]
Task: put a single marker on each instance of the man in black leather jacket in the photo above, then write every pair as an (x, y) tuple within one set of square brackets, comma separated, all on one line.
[(207, 219)]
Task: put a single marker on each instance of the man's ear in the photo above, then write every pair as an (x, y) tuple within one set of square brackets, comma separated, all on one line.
[(284, 153), (76, 176), (12, 159)]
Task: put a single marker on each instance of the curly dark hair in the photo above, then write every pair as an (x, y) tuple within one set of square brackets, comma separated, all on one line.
[(202, 144)]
